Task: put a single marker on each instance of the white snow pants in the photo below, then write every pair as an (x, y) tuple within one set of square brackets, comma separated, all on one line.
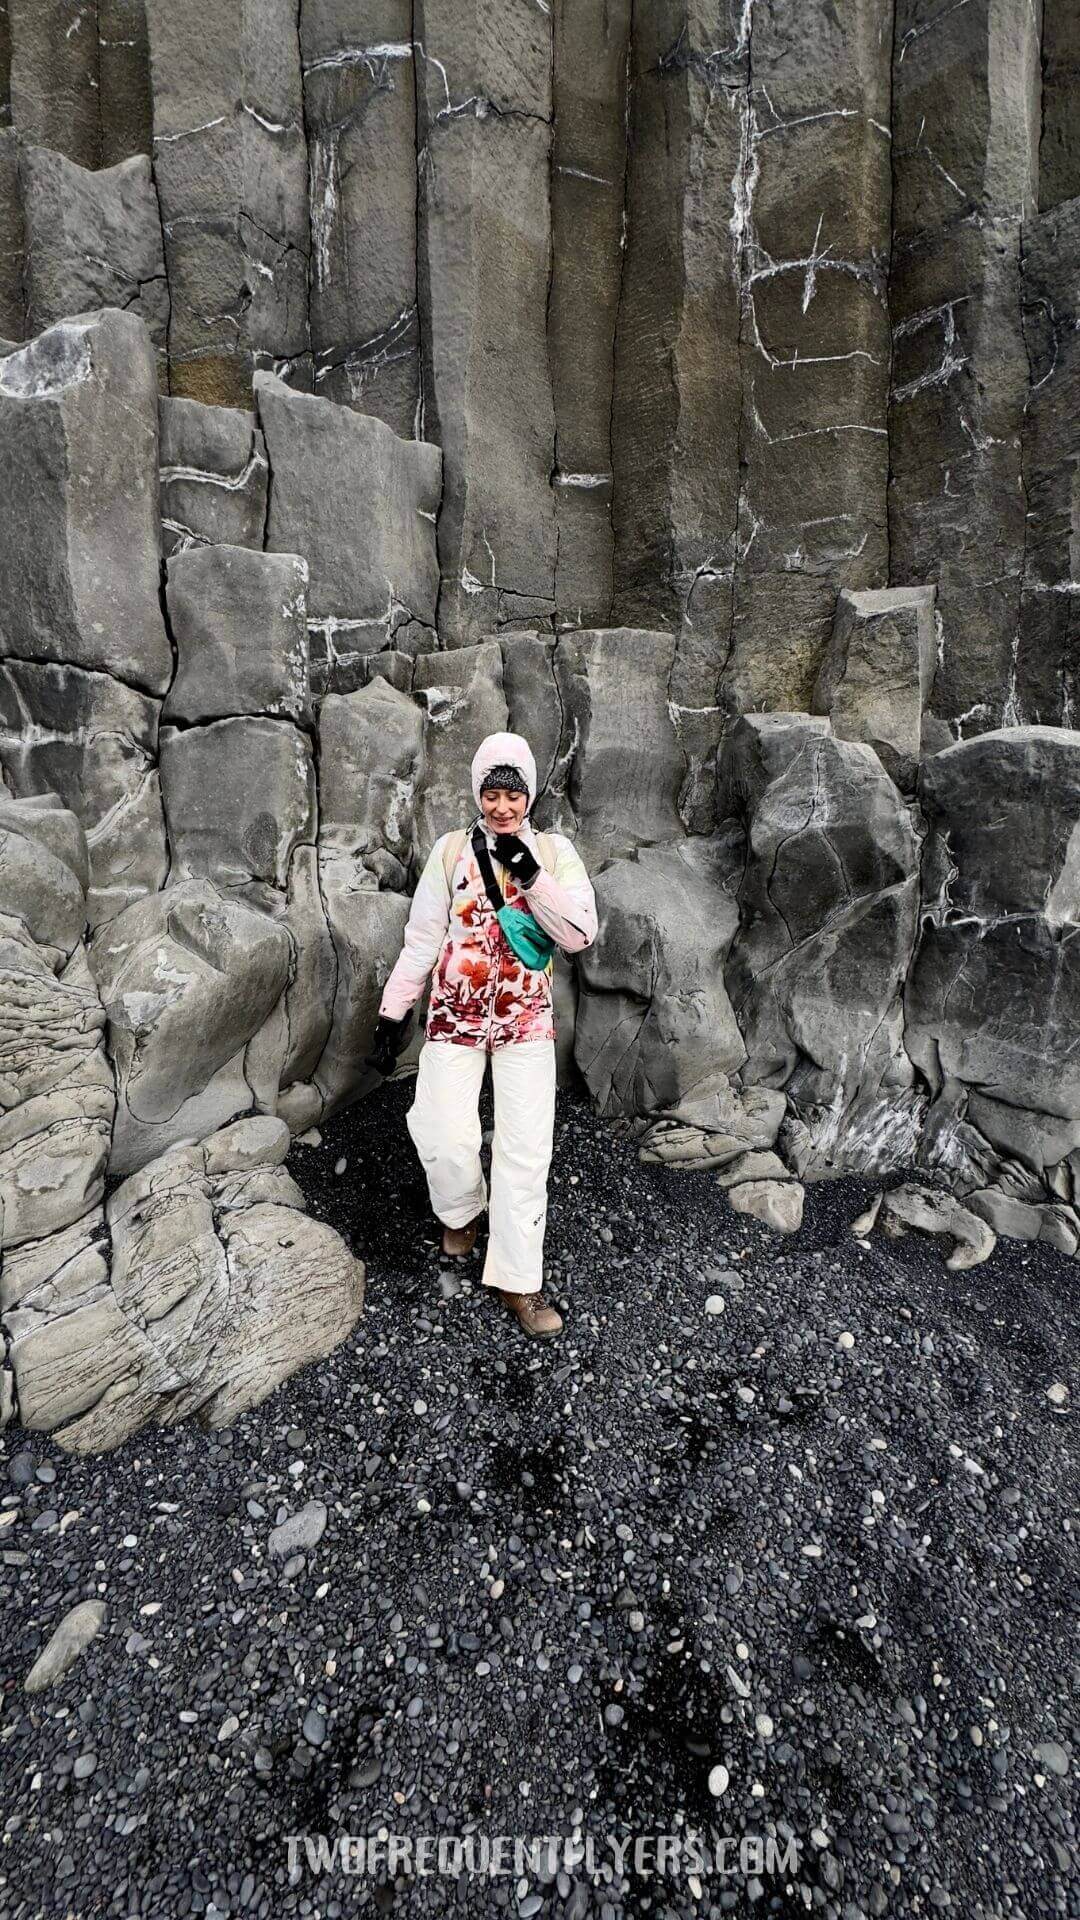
[(444, 1122)]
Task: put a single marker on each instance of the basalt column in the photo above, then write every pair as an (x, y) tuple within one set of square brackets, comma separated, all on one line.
[(360, 115), (810, 228), (966, 118), (484, 123)]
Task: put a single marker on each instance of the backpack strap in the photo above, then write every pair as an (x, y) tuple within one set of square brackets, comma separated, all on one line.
[(452, 853), (546, 849)]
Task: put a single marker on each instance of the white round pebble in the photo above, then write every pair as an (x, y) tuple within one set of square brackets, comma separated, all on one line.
[(718, 1781), (340, 1166), (715, 1303), (1057, 1393), (846, 1340)]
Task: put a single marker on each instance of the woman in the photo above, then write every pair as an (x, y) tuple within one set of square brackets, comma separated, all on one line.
[(486, 1000)]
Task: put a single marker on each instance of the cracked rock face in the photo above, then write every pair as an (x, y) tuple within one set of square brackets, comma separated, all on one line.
[(92, 740), (239, 796), (654, 1024), (79, 512), (1045, 674), (370, 745), (992, 998), (359, 504), (827, 911), (93, 240), (230, 162), (877, 674), (484, 109), (634, 379), (199, 1286), (360, 114), (187, 978), (213, 477), (239, 622), (965, 123)]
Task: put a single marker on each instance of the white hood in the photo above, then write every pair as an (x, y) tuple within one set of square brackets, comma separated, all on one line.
[(493, 752)]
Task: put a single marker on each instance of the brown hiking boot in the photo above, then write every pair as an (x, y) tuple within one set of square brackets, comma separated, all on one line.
[(536, 1314), (460, 1240)]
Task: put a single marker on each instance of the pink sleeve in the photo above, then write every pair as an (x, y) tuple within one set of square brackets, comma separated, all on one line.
[(563, 902), (425, 930)]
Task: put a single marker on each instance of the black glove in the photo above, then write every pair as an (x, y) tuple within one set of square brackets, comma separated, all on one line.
[(513, 853), (391, 1038)]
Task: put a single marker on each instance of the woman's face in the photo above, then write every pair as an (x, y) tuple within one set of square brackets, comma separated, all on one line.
[(503, 812)]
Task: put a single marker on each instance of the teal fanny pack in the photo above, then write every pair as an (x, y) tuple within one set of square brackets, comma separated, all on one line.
[(532, 945), (529, 942)]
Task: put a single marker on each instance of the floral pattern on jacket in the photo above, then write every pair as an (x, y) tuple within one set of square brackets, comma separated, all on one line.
[(482, 995)]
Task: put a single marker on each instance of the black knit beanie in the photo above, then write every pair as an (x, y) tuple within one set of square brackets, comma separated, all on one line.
[(509, 777)]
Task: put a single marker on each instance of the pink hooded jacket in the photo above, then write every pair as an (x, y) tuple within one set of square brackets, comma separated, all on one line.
[(481, 994)]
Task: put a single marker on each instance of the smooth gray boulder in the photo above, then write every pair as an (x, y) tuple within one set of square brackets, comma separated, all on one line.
[(231, 167), (300, 1532), (877, 674), (80, 1624), (214, 1296), (370, 760), (654, 1022), (911, 1206), (484, 106), (92, 741), (778, 1203), (188, 978), (260, 1141), (993, 1001), (213, 476), (360, 116), (93, 239), (239, 622), (367, 925), (239, 797), (620, 765), (715, 1125), (827, 909), (80, 515), (359, 503), (44, 872)]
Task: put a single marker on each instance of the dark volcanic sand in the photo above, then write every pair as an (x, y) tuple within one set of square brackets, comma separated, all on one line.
[(562, 1583)]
